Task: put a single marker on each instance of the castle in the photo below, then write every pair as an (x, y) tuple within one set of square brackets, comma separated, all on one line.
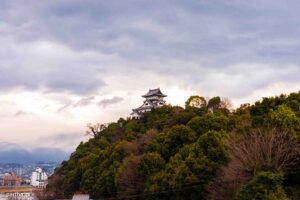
[(153, 99)]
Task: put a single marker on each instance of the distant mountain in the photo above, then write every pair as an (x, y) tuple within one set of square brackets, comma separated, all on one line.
[(49, 154), (13, 153)]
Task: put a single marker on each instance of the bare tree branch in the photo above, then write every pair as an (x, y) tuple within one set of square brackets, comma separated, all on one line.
[(94, 130), (259, 150)]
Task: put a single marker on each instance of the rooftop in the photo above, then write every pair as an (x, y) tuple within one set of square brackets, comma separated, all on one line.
[(154, 92)]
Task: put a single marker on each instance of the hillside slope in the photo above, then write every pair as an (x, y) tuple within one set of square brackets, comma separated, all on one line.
[(183, 153)]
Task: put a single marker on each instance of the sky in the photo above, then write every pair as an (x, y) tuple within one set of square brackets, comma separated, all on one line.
[(64, 64)]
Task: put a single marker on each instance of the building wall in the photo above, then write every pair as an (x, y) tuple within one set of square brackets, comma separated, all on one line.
[(39, 178), (17, 196), (10, 179)]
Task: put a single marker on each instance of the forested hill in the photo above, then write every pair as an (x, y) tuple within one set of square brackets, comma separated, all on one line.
[(202, 151)]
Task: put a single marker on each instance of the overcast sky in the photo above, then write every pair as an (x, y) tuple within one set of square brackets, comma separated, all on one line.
[(66, 63)]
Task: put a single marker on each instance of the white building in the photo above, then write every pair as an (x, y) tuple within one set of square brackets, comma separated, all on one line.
[(81, 197), (39, 178), (153, 99)]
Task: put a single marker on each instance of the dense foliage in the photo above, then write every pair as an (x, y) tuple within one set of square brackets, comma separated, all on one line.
[(180, 153), (264, 186)]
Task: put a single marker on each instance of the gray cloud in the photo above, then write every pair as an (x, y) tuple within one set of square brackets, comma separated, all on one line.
[(68, 141), (21, 113), (85, 47), (62, 138), (64, 107), (58, 78), (186, 30), (107, 102), (213, 36), (143, 35), (84, 101)]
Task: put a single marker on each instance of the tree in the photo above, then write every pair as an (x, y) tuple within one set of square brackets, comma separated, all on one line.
[(194, 165), (265, 149), (168, 144), (258, 150), (284, 118), (214, 104), (94, 130), (151, 163), (195, 101), (226, 104), (128, 180), (264, 186), (211, 121)]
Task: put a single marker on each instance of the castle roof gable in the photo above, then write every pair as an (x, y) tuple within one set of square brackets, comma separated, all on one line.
[(154, 92)]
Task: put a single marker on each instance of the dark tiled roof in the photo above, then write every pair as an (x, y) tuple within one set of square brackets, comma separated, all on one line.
[(154, 92)]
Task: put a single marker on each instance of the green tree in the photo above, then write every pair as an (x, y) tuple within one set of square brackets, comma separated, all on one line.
[(168, 144), (214, 104), (284, 118), (151, 163), (194, 165), (264, 186), (211, 121), (195, 101)]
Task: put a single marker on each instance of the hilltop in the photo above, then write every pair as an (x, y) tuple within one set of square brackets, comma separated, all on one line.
[(203, 151)]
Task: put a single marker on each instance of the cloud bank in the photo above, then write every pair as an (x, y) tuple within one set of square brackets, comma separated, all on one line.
[(64, 64)]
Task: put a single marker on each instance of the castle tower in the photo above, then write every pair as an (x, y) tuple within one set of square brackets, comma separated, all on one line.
[(153, 99)]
